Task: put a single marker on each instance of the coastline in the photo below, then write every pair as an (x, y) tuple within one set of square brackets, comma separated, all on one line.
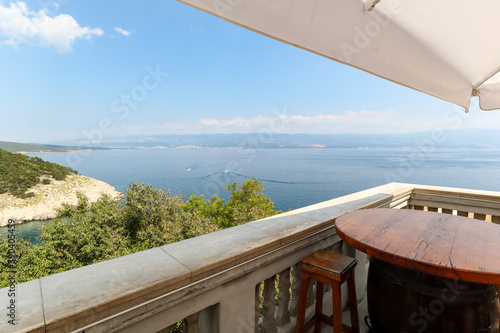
[(48, 198)]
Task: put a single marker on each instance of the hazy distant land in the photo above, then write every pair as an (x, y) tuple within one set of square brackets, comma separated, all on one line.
[(16, 147), (453, 139)]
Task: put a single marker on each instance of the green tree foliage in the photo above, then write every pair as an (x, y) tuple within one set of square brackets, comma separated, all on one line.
[(88, 233), (154, 217), (246, 203), (18, 173)]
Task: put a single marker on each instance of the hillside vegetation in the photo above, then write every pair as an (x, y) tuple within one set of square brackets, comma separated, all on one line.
[(18, 173), (91, 232)]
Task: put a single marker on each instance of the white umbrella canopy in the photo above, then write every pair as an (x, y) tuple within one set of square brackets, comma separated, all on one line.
[(449, 49)]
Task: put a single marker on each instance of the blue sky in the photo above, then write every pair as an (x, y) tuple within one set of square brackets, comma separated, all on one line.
[(74, 68)]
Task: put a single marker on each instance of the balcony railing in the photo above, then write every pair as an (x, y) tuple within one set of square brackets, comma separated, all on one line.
[(242, 279)]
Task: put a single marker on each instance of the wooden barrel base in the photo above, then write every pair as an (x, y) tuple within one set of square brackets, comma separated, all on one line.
[(401, 300)]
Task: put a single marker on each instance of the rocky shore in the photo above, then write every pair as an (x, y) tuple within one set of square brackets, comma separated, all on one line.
[(50, 197)]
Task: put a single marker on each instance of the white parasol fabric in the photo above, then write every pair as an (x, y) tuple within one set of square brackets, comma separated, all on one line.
[(449, 49)]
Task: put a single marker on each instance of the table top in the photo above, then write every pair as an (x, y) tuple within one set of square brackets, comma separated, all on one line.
[(441, 244)]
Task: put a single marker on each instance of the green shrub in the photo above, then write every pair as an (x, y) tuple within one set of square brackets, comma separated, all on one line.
[(27, 195)]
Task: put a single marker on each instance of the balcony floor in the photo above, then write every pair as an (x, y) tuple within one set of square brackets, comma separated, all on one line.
[(346, 318)]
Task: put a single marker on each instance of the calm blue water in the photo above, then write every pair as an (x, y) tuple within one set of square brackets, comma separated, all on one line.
[(293, 178)]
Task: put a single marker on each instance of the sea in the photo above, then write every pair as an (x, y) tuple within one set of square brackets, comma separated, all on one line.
[(292, 178)]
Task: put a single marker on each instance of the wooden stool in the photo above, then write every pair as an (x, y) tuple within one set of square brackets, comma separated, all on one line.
[(332, 269)]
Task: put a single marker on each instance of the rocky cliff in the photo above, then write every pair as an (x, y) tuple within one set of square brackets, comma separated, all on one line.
[(49, 197)]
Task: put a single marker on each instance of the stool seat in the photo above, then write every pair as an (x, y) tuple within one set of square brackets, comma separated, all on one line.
[(333, 264), (332, 269)]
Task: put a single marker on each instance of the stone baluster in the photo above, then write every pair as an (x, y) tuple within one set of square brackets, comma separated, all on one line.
[(296, 278), (283, 316), (257, 307), (269, 305), (311, 293), (337, 247), (193, 323)]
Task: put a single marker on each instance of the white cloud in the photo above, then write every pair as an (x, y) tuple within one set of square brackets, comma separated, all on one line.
[(350, 118), (19, 25), (209, 122), (236, 124), (350, 121), (384, 121), (123, 31)]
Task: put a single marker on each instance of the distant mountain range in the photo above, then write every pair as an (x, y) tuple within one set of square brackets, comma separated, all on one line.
[(16, 147), (453, 139), (470, 139)]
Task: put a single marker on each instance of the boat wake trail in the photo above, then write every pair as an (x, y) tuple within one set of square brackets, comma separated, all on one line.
[(280, 181), (212, 174)]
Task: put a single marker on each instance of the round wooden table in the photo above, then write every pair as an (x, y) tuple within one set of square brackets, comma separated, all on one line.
[(414, 254)]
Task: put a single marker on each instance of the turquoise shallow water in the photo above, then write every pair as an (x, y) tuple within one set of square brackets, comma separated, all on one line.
[(28, 230), (293, 178)]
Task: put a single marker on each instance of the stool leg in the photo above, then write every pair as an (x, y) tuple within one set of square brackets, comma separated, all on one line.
[(319, 306), (337, 307), (353, 303), (301, 312)]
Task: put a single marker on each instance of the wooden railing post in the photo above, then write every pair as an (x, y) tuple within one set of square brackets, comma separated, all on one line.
[(447, 211), (479, 216)]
